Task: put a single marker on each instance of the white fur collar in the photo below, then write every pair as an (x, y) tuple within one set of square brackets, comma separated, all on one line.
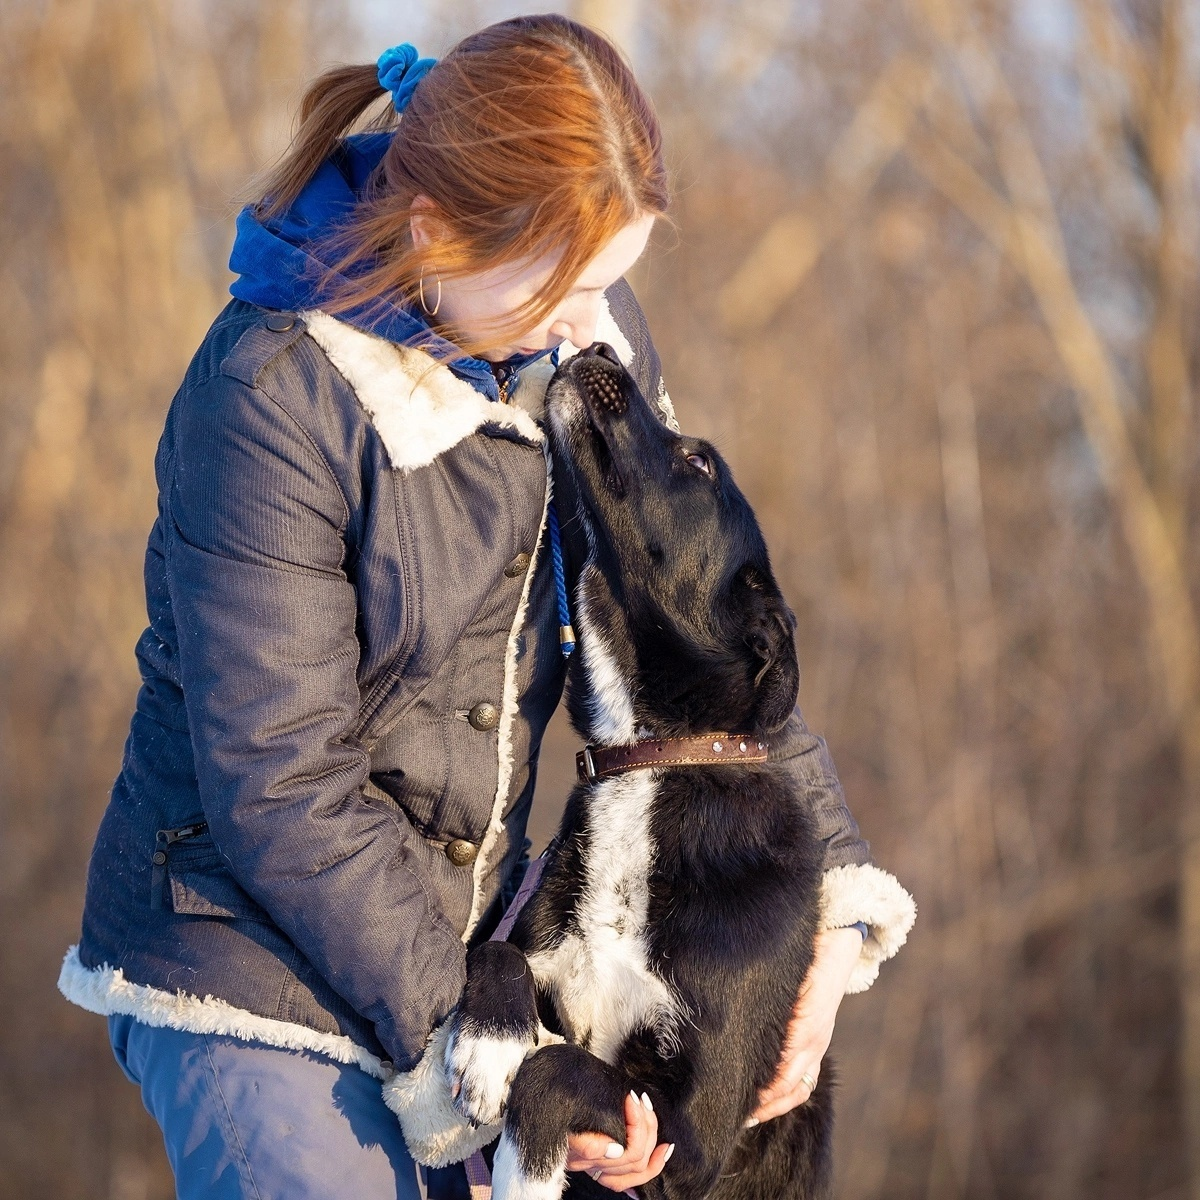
[(419, 407)]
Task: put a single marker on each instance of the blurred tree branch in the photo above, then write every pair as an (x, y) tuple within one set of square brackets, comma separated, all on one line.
[(1025, 227), (948, 115), (791, 245)]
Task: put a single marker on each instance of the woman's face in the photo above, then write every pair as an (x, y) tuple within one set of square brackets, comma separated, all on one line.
[(474, 302)]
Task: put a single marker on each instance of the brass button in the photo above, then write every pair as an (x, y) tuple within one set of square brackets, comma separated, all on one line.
[(518, 566), (280, 322), (484, 716), (461, 852)]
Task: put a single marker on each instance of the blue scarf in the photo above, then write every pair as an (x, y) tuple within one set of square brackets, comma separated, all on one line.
[(279, 264)]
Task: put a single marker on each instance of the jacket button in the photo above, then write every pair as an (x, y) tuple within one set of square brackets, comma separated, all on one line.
[(158, 858), (280, 322), (484, 716), (461, 852), (518, 566)]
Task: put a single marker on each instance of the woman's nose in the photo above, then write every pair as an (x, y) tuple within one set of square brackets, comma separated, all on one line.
[(579, 325), (578, 333)]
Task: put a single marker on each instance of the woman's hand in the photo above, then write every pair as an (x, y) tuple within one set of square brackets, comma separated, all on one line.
[(811, 1027), (622, 1168)]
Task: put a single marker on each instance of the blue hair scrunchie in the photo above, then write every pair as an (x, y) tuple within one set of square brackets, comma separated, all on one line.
[(400, 69)]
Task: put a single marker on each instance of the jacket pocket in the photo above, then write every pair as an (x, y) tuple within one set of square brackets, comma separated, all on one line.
[(197, 881), (212, 892)]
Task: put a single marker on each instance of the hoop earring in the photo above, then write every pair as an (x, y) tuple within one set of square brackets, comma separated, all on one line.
[(432, 312)]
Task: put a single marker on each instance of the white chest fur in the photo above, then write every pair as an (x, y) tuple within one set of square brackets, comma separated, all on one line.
[(610, 703), (601, 978)]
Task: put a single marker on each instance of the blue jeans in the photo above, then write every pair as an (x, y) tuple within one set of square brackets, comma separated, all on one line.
[(248, 1122)]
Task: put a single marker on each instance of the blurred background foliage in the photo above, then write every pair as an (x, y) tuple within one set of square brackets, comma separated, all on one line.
[(932, 288)]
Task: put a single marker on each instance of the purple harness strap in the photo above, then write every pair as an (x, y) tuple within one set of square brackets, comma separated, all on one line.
[(478, 1175), (533, 876)]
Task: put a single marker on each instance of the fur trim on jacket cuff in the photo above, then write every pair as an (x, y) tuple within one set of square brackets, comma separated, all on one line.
[(867, 894), (436, 1132)]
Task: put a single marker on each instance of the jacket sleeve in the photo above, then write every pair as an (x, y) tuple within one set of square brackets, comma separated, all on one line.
[(266, 619), (853, 889)]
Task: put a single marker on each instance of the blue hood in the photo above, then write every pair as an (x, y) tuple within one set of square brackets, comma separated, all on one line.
[(278, 261)]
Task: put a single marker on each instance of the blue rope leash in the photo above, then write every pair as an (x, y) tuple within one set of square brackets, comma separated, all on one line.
[(566, 635)]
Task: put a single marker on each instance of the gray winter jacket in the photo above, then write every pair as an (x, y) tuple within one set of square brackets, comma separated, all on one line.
[(351, 660)]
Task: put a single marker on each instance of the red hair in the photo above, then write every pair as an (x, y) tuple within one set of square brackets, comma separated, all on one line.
[(529, 136)]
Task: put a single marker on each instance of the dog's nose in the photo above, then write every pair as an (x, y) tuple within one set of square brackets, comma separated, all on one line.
[(603, 388), (601, 350)]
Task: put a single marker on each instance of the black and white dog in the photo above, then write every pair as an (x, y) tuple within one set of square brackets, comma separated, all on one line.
[(675, 919)]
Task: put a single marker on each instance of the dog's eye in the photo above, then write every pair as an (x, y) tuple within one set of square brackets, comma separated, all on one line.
[(700, 463)]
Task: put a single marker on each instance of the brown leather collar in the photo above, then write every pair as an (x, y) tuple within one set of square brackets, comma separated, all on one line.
[(597, 762)]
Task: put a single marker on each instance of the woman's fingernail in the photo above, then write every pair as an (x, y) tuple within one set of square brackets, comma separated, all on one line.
[(613, 1150), (751, 1122), (635, 1096), (646, 1102), (670, 1151)]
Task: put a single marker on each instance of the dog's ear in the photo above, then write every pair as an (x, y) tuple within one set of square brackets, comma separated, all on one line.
[(770, 628)]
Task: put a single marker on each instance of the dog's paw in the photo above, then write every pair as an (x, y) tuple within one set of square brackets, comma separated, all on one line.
[(481, 1065)]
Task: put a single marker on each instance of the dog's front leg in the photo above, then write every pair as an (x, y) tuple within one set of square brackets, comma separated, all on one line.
[(492, 1030), (558, 1091)]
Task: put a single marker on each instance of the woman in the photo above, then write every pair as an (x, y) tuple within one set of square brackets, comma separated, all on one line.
[(354, 639)]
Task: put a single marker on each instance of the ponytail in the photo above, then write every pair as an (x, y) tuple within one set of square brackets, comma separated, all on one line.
[(332, 106)]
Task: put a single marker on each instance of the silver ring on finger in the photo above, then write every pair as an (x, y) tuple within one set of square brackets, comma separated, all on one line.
[(596, 1173), (809, 1082)]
